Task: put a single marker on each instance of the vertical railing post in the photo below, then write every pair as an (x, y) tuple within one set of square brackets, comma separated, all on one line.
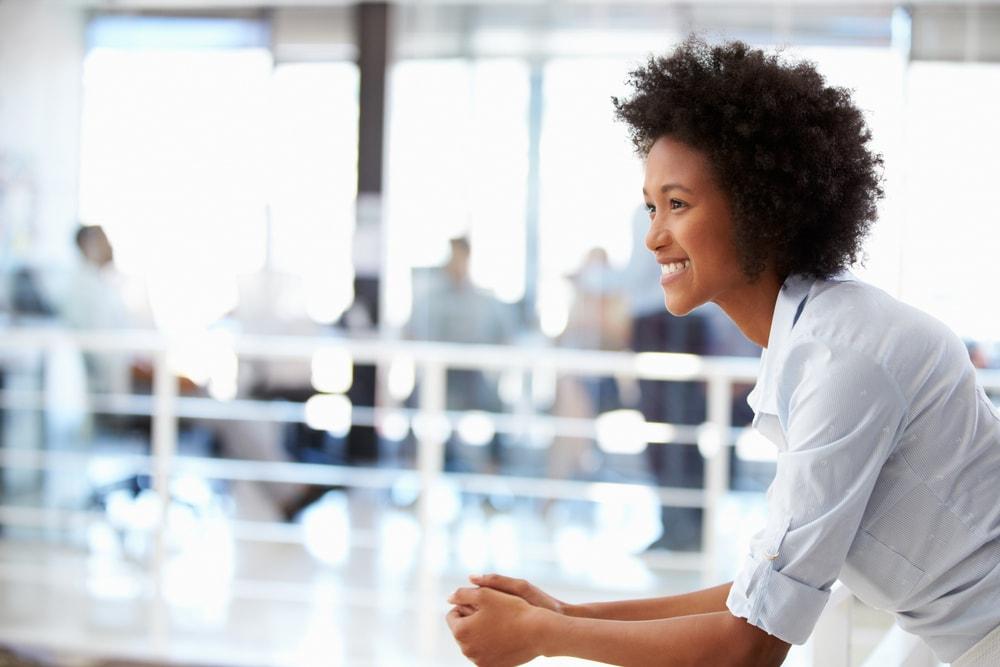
[(717, 466), (163, 449), (430, 440)]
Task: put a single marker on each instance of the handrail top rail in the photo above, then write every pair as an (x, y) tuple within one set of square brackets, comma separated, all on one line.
[(644, 365), (653, 365)]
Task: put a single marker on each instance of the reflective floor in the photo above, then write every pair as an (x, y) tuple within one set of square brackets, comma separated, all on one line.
[(362, 590)]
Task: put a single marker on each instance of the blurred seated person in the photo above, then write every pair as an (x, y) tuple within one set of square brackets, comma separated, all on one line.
[(95, 299), (447, 307)]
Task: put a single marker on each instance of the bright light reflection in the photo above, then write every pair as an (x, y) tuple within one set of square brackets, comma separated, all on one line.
[(405, 491), (476, 428), (627, 518), (431, 427), (329, 412), (107, 579), (399, 538), (446, 502), (511, 386), (332, 370), (198, 581), (504, 542), (678, 366), (206, 357), (402, 377), (193, 490), (473, 545), (621, 432), (660, 433), (394, 426), (709, 440), (102, 539), (554, 299), (141, 513), (327, 529), (574, 549), (612, 569)]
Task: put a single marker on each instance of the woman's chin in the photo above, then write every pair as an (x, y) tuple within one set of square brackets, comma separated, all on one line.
[(677, 308)]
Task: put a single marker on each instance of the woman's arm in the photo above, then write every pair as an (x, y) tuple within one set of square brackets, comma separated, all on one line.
[(697, 602), (704, 601), (505, 630)]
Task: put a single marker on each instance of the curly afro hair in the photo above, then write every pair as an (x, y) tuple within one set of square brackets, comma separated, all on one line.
[(790, 151)]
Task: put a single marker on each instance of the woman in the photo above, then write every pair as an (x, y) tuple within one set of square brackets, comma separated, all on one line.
[(760, 188)]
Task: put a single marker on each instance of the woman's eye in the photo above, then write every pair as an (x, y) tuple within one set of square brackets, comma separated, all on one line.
[(651, 210), (676, 204)]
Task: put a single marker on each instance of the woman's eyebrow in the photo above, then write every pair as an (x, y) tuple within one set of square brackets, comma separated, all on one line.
[(668, 187)]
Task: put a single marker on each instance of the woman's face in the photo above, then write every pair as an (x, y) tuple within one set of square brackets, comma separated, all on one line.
[(690, 231)]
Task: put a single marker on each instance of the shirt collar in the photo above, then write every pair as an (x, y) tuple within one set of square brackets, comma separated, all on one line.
[(791, 298)]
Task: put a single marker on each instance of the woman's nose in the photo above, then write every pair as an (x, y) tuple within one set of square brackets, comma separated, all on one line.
[(656, 236)]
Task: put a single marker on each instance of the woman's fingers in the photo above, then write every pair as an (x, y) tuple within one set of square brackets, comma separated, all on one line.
[(501, 583), (453, 617), (468, 597), (465, 610)]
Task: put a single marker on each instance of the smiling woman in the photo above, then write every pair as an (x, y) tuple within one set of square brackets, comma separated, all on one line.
[(760, 188), (691, 237)]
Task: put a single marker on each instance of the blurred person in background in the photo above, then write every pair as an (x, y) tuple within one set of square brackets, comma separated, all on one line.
[(94, 300), (761, 187), (450, 308), (598, 320)]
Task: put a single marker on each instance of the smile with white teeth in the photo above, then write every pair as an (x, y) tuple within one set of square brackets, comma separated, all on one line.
[(674, 267)]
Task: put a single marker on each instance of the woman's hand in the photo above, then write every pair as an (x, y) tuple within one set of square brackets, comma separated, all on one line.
[(495, 629), (522, 589)]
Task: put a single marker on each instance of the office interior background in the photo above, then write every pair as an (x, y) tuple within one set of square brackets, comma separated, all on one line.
[(310, 309)]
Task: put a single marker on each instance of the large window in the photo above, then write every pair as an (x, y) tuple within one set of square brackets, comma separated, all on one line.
[(206, 162), (591, 179), (950, 241)]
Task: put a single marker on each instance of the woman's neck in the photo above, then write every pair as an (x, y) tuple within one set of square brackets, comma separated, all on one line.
[(751, 308)]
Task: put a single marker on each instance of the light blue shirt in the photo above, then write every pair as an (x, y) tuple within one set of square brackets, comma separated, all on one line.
[(888, 473)]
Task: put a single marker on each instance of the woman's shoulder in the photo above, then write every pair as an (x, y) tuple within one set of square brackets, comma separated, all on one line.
[(859, 317), (861, 314)]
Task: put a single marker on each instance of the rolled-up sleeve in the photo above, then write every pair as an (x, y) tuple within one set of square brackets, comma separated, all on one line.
[(840, 413)]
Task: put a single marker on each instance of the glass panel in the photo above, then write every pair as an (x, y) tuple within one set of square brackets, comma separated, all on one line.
[(953, 155), (457, 166)]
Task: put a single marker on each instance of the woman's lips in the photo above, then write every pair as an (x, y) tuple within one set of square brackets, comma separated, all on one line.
[(670, 271)]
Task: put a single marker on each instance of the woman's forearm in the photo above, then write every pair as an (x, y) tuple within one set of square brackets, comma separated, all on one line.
[(704, 601), (718, 639)]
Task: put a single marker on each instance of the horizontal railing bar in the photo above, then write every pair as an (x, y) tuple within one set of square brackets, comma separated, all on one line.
[(664, 366), (190, 407), (349, 476), (655, 366), (294, 534)]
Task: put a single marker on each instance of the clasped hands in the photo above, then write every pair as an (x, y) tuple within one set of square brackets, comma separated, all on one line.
[(501, 621)]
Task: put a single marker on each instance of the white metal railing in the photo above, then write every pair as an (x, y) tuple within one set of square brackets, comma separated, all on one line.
[(830, 642), (432, 360)]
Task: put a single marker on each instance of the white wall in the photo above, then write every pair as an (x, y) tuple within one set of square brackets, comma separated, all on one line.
[(41, 55)]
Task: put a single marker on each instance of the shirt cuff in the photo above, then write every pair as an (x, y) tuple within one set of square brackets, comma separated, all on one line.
[(774, 602)]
